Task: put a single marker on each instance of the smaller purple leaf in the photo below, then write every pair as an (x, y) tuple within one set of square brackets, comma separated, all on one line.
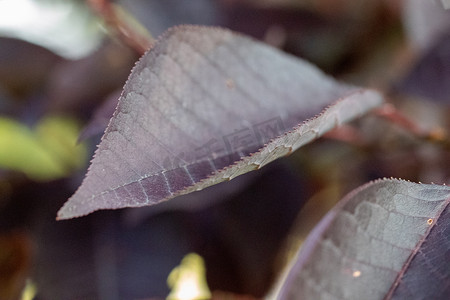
[(430, 77), (389, 239), (203, 106)]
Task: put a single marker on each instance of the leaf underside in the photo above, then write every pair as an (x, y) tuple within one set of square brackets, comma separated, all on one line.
[(203, 106), (389, 239)]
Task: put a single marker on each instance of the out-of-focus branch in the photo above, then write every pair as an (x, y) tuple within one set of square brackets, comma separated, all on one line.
[(129, 30), (346, 133), (390, 113)]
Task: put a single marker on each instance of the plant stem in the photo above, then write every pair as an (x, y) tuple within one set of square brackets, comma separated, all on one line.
[(437, 135), (127, 28)]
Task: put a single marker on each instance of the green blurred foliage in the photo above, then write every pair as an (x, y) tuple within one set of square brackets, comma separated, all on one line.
[(46, 152), (188, 280)]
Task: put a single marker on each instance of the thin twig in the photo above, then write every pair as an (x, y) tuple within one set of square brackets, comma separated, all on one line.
[(115, 18), (436, 135), (346, 133)]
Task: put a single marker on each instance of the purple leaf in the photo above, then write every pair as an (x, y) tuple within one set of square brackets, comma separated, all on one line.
[(196, 106), (388, 239), (430, 77)]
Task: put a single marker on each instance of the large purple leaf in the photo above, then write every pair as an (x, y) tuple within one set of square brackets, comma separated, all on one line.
[(196, 106), (389, 239)]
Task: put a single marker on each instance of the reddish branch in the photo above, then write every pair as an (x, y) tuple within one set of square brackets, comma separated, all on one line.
[(390, 113), (346, 133), (116, 21)]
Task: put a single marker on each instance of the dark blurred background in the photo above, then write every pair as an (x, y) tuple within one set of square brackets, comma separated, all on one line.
[(62, 67)]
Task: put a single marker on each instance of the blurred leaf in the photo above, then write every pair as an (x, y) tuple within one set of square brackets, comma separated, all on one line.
[(188, 280), (64, 26), (388, 239), (424, 22), (47, 152), (29, 292), (196, 106), (430, 77), (58, 135), (445, 4)]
